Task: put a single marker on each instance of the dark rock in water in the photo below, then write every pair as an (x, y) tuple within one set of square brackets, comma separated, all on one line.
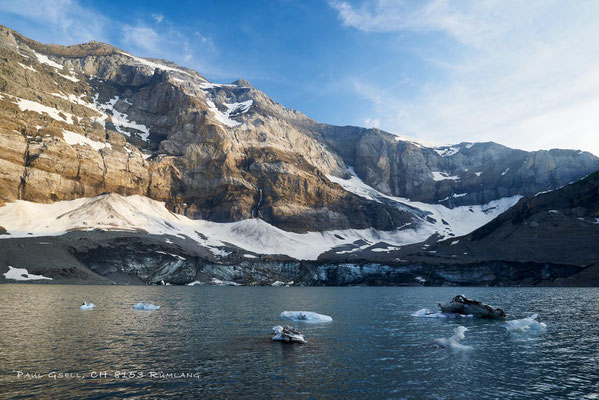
[(287, 334), (465, 306)]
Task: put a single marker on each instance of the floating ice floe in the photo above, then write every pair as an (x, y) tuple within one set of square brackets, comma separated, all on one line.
[(427, 313), (287, 334), (527, 325), (146, 306), (305, 316), (453, 342), (87, 306)]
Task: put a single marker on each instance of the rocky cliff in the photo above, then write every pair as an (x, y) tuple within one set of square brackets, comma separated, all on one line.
[(86, 119), (82, 120)]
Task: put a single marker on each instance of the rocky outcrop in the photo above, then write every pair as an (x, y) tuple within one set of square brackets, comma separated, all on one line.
[(461, 174), (82, 120), (561, 226)]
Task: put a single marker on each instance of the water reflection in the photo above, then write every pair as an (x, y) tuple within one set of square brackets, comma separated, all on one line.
[(218, 338)]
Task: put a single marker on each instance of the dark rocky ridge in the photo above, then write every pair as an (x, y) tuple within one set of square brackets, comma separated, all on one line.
[(125, 258)]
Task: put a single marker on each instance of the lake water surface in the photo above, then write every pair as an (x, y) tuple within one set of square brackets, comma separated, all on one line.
[(214, 342)]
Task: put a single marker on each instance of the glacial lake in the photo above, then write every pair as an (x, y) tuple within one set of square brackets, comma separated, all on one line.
[(214, 342)]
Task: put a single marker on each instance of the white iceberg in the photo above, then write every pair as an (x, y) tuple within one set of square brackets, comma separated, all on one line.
[(145, 306), (527, 325), (305, 316), (453, 342), (427, 313), (87, 306), (287, 334)]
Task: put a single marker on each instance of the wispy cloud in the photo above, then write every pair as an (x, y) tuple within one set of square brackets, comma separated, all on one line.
[(68, 21), (529, 77), (71, 22), (158, 18)]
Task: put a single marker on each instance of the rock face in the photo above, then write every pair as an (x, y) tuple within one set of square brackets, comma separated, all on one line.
[(86, 119), (461, 174), (561, 226)]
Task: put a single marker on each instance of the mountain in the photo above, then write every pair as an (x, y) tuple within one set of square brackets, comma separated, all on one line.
[(548, 238), (560, 226), (120, 151)]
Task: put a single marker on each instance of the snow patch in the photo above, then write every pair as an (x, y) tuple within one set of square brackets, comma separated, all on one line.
[(460, 220), (505, 172), (73, 138), (444, 176), (45, 60), (233, 109), (21, 274), (87, 306), (30, 68), (28, 105), (121, 120), (154, 65), (447, 151), (454, 242), (69, 77), (218, 282), (385, 249)]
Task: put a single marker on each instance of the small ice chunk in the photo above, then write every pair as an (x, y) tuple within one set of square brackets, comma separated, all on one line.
[(427, 313), (287, 334), (277, 283), (87, 306), (145, 306), (305, 316), (527, 325), (453, 342)]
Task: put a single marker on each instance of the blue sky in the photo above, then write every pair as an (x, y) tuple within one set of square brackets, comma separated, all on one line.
[(521, 73)]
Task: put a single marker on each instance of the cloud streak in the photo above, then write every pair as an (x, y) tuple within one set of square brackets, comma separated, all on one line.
[(522, 80)]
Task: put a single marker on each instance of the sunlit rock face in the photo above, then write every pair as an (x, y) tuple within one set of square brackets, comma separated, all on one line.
[(87, 119)]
